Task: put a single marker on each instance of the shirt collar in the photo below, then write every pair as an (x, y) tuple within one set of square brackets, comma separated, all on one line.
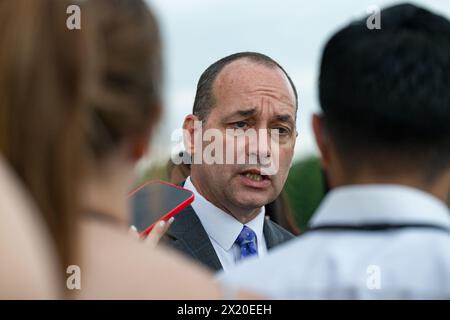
[(363, 204), (219, 225)]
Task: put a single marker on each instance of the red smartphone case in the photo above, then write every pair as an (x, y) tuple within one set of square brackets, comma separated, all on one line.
[(171, 213)]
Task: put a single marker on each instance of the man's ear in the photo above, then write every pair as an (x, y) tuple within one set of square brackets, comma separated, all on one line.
[(189, 128), (322, 140)]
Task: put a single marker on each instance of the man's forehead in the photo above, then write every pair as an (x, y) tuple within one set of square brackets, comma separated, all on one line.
[(246, 76), (283, 114)]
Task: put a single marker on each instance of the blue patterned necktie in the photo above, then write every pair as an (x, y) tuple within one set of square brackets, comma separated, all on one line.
[(247, 243)]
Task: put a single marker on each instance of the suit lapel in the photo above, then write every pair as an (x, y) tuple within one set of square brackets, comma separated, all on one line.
[(190, 237), (272, 237)]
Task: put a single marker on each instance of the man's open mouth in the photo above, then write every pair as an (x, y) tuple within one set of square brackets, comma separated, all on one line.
[(255, 175)]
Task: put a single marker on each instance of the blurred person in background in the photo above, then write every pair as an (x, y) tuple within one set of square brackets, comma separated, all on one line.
[(77, 111), (280, 212), (383, 230)]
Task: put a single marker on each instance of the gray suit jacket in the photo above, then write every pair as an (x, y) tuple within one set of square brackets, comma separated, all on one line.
[(188, 236)]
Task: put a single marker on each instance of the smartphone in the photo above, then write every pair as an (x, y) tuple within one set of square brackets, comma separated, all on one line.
[(157, 200)]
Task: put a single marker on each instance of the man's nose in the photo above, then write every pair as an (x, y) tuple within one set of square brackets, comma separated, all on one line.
[(261, 151)]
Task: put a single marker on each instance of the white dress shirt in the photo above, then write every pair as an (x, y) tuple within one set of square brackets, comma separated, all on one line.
[(223, 229), (404, 263)]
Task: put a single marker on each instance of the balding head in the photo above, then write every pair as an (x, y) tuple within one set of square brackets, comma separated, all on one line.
[(205, 98)]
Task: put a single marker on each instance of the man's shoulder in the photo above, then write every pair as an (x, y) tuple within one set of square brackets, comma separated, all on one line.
[(275, 234), (181, 232), (279, 229), (186, 220)]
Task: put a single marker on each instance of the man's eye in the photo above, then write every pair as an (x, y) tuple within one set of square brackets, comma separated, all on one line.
[(240, 125), (282, 131)]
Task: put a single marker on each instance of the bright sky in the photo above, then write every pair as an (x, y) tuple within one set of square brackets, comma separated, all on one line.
[(198, 32)]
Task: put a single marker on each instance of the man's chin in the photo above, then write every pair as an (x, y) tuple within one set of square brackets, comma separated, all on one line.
[(252, 201), (251, 198)]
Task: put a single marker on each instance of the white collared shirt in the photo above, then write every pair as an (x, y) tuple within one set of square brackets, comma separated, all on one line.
[(223, 229), (407, 263)]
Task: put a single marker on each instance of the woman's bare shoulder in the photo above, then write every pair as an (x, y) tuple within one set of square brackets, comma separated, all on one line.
[(116, 266), (31, 269)]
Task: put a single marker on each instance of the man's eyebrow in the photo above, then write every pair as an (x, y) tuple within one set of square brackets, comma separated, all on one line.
[(285, 118), (241, 113)]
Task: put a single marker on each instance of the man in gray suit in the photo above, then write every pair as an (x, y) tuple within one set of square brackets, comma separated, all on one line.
[(239, 97)]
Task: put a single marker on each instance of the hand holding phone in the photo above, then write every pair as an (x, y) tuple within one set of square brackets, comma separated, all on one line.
[(152, 239)]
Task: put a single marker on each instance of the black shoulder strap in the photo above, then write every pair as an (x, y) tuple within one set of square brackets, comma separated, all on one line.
[(377, 227)]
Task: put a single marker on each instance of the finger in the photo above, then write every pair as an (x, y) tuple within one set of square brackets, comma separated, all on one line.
[(155, 235), (133, 232), (167, 226), (158, 232)]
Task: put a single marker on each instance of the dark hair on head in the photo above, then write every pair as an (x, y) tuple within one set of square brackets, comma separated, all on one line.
[(385, 93), (125, 99), (204, 97)]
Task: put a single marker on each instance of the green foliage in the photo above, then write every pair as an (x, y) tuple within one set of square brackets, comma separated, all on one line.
[(305, 189)]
